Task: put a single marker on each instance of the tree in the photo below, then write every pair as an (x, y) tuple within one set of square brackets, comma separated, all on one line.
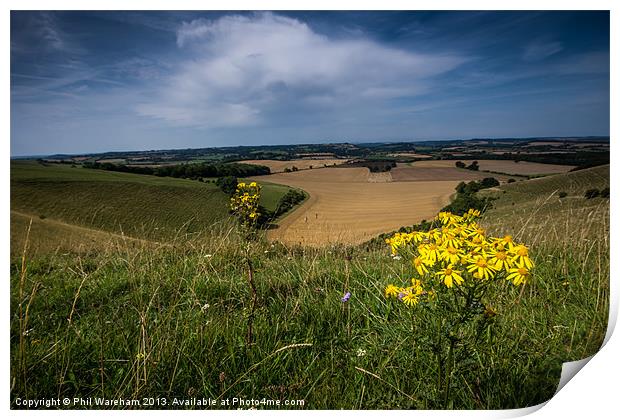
[(460, 164), (488, 183), (473, 166), (228, 184)]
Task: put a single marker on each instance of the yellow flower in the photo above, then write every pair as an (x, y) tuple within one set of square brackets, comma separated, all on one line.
[(521, 256), (451, 254), (430, 253), (500, 260), (447, 218), (419, 265), (391, 291), (449, 275), (518, 275), (480, 268), (410, 297), (471, 214), (450, 239)]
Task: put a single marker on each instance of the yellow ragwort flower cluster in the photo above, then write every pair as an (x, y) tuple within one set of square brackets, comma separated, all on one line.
[(457, 252), (244, 202)]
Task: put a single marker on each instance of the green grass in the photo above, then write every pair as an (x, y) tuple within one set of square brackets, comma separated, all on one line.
[(134, 321), (271, 194), (535, 212), (136, 205)]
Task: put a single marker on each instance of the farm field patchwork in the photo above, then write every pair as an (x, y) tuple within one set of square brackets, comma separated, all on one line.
[(503, 166)]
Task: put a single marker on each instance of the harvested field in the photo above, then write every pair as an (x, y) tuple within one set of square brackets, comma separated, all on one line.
[(415, 173), (380, 177), (344, 207), (504, 166), (279, 165)]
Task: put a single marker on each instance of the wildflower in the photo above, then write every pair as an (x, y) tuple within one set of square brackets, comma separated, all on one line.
[(450, 240), (471, 214), (346, 297), (518, 275), (451, 255), (419, 236), (361, 352), (521, 256), (480, 268), (457, 252), (391, 291), (447, 218), (397, 257), (449, 275), (500, 260), (430, 253), (419, 266), (244, 203), (410, 297), (507, 240)]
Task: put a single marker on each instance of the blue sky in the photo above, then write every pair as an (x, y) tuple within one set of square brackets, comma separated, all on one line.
[(103, 81)]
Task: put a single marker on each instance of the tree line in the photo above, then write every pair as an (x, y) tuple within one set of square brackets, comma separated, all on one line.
[(187, 170)]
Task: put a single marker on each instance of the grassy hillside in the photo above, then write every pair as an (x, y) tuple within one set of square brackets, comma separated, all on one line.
[(139, 321), (535, 211), (136, 205), (141, 206)]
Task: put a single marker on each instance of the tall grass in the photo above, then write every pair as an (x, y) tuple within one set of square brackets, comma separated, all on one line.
[(170, 321)]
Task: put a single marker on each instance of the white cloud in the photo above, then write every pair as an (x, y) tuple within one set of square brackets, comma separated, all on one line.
[(242, 70)]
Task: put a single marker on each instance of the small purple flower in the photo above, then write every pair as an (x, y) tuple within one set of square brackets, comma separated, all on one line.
[(346, 297)]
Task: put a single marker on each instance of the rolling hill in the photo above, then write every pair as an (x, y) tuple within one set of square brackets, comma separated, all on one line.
[(535, 211), (102, 205)]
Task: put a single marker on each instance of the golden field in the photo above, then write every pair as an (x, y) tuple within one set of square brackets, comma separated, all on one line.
[(503, 166), (280, 165), (341, 198)]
